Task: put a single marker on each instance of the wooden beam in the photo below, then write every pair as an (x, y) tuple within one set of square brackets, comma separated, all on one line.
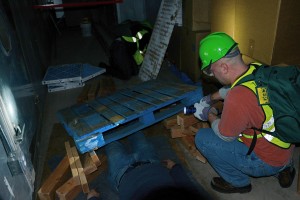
[(93, 90), (186, 120), (82, 178), (176, 132), (83, 96), (170, 122), (107, 87), (189, 143), (60, 175), (71, 159), (88, 163), (70, 189), (95, 158)]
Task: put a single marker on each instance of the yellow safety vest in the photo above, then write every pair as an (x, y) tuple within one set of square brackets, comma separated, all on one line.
[(139, 54), (269, 124)]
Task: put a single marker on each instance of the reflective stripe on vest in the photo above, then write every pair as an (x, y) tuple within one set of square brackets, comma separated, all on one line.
[(268, 124), (139, 54)]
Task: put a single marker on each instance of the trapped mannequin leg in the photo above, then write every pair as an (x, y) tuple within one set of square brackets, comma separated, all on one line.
[(143, 151), (118, 161)]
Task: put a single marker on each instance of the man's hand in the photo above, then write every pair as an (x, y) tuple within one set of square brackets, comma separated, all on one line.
[(169, 163), (206, 101), (203, 111)]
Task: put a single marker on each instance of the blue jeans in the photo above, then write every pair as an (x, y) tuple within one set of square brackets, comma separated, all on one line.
[(229, 159), (120, 159)]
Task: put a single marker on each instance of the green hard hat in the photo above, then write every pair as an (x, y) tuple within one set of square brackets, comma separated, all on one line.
[(214, 47)]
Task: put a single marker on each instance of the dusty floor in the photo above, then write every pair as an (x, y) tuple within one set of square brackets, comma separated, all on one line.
[(71, 47)]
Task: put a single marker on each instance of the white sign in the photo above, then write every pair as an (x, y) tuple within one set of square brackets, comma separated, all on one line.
[(169, 14)]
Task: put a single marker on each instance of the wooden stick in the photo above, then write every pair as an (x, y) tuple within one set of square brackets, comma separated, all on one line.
[(71, 159), (82, 178), (60, 175)]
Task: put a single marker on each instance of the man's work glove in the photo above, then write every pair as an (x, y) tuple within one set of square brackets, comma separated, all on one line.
[(203, 111), (206, 101)]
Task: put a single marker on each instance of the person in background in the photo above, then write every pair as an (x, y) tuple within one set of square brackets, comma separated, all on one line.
[(229, 145), (139, 175)]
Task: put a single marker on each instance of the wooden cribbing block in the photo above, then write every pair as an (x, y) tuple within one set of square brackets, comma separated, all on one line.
[(170, 122), (186, 120), (107, 86), (70, 189), (60, 175), (95, 158), (76, 166), (195, 127), (71, 159), (82, 178), (176, 132), (83, 95), (189, 143), (93, 90)]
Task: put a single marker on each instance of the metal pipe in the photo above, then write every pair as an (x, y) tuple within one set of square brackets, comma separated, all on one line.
[(80, 4)]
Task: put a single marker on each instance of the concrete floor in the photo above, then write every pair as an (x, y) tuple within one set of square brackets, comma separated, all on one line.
[(71, 47)]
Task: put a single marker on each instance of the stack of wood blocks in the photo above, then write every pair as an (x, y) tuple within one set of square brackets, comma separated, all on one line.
[(185, 127), (97, 88), (71, 177)]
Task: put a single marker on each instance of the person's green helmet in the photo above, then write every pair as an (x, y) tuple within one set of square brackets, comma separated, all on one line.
[(214, 47)]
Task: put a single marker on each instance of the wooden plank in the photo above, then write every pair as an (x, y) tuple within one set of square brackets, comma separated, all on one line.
[(82, 97), (189, 143), (82, 178), (88, 163), (177, 132), (95, 158), (70, 189), (195, 127), (117, 107), (154, 94), (71, 159), (60, 175), (142, 97), (170, 122), (82, 120), (106, 112), (132, 103), (93, 90), (107, 87), (186, 120)]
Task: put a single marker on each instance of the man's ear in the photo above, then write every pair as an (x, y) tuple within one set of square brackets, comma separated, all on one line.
[(224, 68)]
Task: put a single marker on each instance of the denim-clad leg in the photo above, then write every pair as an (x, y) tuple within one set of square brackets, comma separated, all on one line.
[(229, 159), (143, 151), (118, 162)]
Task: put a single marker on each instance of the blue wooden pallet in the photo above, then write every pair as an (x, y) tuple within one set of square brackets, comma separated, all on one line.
[(106, 119)]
